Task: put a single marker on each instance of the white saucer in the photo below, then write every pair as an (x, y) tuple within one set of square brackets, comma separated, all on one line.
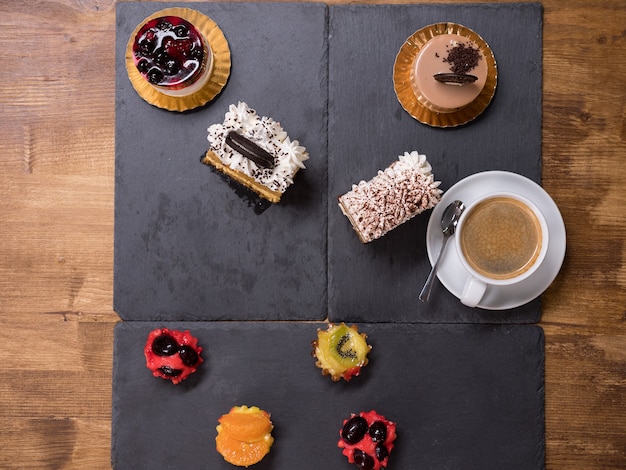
[(451, 272)]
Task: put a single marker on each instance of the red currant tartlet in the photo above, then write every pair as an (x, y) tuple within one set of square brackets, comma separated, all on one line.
[(367, 440), (171, 354)]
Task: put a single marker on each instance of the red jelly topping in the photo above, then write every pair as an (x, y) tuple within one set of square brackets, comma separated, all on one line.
[(367, 440), (172, 354), (169, 52)]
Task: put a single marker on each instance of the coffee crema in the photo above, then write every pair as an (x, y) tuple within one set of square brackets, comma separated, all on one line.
[(501, 238)]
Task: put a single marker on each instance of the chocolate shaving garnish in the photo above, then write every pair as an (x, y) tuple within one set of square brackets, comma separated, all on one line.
[(249, 150), (455, 78)]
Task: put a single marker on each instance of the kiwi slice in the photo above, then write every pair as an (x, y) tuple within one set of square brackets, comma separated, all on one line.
[(341, 351)]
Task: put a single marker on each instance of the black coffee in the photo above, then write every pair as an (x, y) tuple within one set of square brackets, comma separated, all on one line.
[(501, 238)]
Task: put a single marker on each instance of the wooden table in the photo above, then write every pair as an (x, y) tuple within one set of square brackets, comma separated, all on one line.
[(57, 94)]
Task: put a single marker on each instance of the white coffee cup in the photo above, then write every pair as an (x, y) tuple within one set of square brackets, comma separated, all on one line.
[(501, 239)]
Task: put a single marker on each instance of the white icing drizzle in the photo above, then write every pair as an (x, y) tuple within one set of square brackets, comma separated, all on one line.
[(404, 189), (268, 134)]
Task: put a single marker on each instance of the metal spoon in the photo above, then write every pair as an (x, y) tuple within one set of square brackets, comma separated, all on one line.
[(449, 220)]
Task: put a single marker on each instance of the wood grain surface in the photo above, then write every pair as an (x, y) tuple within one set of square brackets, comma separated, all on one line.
[(56, 226)]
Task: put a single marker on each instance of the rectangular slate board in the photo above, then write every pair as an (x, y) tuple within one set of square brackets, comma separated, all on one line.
[(368, 129), (463, 396), (187, 248)]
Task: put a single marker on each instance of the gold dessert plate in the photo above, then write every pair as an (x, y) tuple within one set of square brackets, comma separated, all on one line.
[(219, 74), (402, 77)]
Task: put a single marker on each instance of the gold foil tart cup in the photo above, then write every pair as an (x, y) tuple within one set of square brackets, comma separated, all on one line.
[(219, 73), (404, 89)]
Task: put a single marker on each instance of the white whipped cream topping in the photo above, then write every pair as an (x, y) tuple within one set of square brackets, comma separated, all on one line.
[(268, 134), (404, 189)]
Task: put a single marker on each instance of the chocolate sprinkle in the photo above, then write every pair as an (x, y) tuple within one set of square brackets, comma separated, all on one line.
[(462, 58)]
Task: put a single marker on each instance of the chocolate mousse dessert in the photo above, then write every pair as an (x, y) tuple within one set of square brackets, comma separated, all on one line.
[(449, 73)]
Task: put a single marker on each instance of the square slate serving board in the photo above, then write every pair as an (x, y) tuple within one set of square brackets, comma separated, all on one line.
[(368, 129), (463, 396), (188, 248)]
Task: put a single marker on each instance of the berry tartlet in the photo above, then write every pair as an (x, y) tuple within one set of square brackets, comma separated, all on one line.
[(171, 354), (341, 351), (244, 435), (178, 59), (367, 440)]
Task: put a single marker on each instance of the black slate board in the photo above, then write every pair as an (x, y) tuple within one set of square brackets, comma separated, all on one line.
[(463, 396), (186, 246), (368, 129)]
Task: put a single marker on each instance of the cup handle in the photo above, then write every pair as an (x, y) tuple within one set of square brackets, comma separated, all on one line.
[(473, 291)]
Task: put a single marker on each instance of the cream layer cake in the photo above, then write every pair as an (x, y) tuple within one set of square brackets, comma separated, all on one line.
[(395, 195)]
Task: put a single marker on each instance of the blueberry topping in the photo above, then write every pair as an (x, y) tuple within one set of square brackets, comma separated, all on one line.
[(143, 66), (188, 355), (169, 52), (171, 66), (164, 345), (378, 431), (169, 372), (146, 47), (354, 430), (155, 76), (381, 452), (197, 54), (164, 25), (363, 460), (181, 31)]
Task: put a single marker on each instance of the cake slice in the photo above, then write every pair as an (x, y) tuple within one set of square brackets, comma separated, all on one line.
[(255, 151), (400, 192)]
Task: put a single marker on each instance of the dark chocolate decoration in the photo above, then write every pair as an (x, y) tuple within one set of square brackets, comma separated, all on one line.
[(250, 150), (455, 78)]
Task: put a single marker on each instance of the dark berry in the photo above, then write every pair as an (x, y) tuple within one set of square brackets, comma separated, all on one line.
[(188, 355), (155, 76), (164, 25), (164, 345), (181, 31), (378, 431), (354, 430), (381, 452), (169, 372), (146, 47), (143, 66), (363, 460), (171, 66), (197, 54), (160, 57)]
